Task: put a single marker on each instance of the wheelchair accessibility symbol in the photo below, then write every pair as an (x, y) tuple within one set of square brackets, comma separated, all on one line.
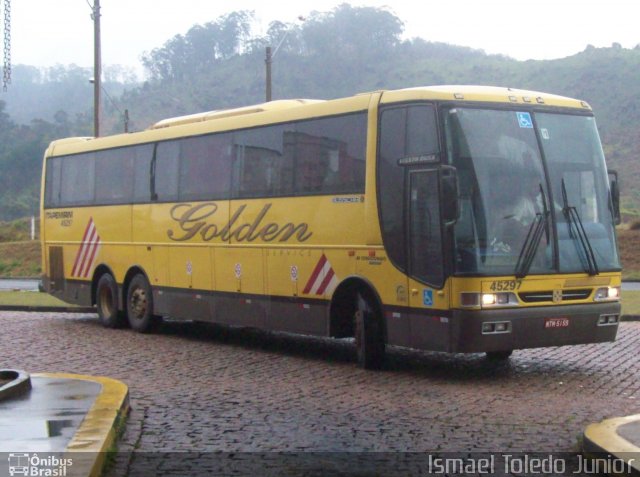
[(524, 120), (427, 297)]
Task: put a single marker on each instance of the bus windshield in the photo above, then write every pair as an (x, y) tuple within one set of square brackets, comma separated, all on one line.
[(534, 195)]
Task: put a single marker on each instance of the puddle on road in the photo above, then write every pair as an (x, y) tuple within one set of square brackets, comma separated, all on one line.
[(27, 429)]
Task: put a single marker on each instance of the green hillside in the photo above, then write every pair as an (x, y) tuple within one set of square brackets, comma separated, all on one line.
[(348, 50)]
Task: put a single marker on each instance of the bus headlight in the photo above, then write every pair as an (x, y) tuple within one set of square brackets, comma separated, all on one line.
[(607, 294), (499, 299), (487, 300)]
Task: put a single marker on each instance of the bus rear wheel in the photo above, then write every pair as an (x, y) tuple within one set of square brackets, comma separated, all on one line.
[(369, 336), (107, 302), (140, 305)]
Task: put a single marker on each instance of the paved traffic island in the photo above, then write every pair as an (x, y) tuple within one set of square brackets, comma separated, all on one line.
[(618, 438), (50, 421), (13, 383)]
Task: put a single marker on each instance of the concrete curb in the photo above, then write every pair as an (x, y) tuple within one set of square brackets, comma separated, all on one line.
[(99, 429), (605, 437), (20, 383), (49, 309)]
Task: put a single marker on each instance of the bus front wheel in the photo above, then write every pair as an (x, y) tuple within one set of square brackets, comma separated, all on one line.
[(140, 305), (369, 336), (107, 302)]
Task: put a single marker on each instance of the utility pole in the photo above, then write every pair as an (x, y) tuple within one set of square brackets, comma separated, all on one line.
[(6, 69), (97, 68), (268, 60)]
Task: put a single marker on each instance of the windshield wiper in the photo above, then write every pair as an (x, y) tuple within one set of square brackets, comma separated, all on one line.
[(573, 219), (532, 240)]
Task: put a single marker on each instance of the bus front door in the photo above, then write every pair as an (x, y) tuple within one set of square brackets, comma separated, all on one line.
[(425, 259)]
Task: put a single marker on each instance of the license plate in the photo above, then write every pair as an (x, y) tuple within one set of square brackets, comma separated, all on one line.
[(556, 323)]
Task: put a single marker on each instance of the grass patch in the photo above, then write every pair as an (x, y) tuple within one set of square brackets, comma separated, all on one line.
[(20, 259), (29, 298), (18, 230), (631, 302), (628, 241)]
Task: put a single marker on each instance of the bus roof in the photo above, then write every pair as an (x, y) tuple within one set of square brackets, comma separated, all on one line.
[(492, 94), (292, 109), (226, 113), (453, 92)]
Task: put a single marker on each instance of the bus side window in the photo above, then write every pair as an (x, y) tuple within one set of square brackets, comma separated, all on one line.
[(254, 171), (330, 155), (312, 163), (195, 170), (52, 182), (113, 169), (78, 180), (220, 161), (167, 169), (142, 157), (261, 167), (205, 167)]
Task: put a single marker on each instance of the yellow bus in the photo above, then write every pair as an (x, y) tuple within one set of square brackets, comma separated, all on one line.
[(449, 218)]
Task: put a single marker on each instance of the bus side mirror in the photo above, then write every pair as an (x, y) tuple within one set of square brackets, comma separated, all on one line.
[(614, 187), (449, 195)]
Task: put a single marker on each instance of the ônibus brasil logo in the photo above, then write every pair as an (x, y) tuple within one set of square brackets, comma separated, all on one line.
[(41, 466)]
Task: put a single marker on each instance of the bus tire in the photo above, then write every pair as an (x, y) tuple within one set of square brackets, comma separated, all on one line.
[(369, 336), (107, 302), (140, 305), (498, 356)]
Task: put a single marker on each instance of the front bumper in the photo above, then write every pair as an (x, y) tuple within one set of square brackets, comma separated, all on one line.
[(529, 327)]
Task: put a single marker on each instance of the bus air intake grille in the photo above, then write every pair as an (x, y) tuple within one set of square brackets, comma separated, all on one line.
[(547, 296)]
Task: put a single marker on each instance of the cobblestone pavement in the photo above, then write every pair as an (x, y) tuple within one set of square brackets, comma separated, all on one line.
[(199, 389)]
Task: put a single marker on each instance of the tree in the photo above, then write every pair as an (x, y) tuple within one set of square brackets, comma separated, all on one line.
[(200, 48), (352, 32)]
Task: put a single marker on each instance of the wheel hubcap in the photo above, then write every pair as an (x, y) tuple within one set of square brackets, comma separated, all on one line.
[(139, 303), (106, 303)]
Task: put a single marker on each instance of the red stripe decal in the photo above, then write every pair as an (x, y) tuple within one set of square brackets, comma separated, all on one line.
[(80, 252), (325, 282), (85, 252), (92, 255), (315, 274)]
